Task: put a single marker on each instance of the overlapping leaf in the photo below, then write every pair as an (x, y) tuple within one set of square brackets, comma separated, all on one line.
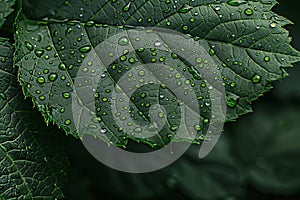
[(32, 161), (5, 10)]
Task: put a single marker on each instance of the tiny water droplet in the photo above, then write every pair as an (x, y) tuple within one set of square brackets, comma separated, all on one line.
[(198, 127), (256, 78), (66, 95), (103, 131), (217, 8), (62, 66), (41, 80), (131, 60), (104, 99), (123, 41), (248, 11), (52, 77), (185, 8), (85, 49), (212, 52), (90, 23), (267, 59), (273, 24), (42, 98), (127, 7), (67, 122), (174, 56), (29, 46), (157, 43), (206, 121), (39, 53)]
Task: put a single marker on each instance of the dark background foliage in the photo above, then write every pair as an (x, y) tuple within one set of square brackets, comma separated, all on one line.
[(258, 157)]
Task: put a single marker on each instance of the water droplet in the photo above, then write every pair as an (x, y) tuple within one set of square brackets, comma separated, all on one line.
[(52, 77), (66, 95), (42, 98), (192, 20), (39, 53), (273, 24), (131, 60), (123, 41), (29, 46), (217, 8), (62, 66), (90, 23), (212, 52), (103, 131), (104, 99), (141, 73), (138, 130), (256, 78), (185, 8), (123, 58), (157, 43), (267, 59), (85, 49), (127, 7), (67, 122), (248, 11), (198, 127), (206, 121), (41, 80), (174, 56), (236, 2), (2, 96), (185, 28)]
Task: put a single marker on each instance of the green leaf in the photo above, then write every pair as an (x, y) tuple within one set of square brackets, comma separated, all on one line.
[(245, 40), (33, 162), (5, 9)]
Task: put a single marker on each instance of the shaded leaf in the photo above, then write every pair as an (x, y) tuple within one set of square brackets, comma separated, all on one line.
[(5, 10), (33, 161)]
